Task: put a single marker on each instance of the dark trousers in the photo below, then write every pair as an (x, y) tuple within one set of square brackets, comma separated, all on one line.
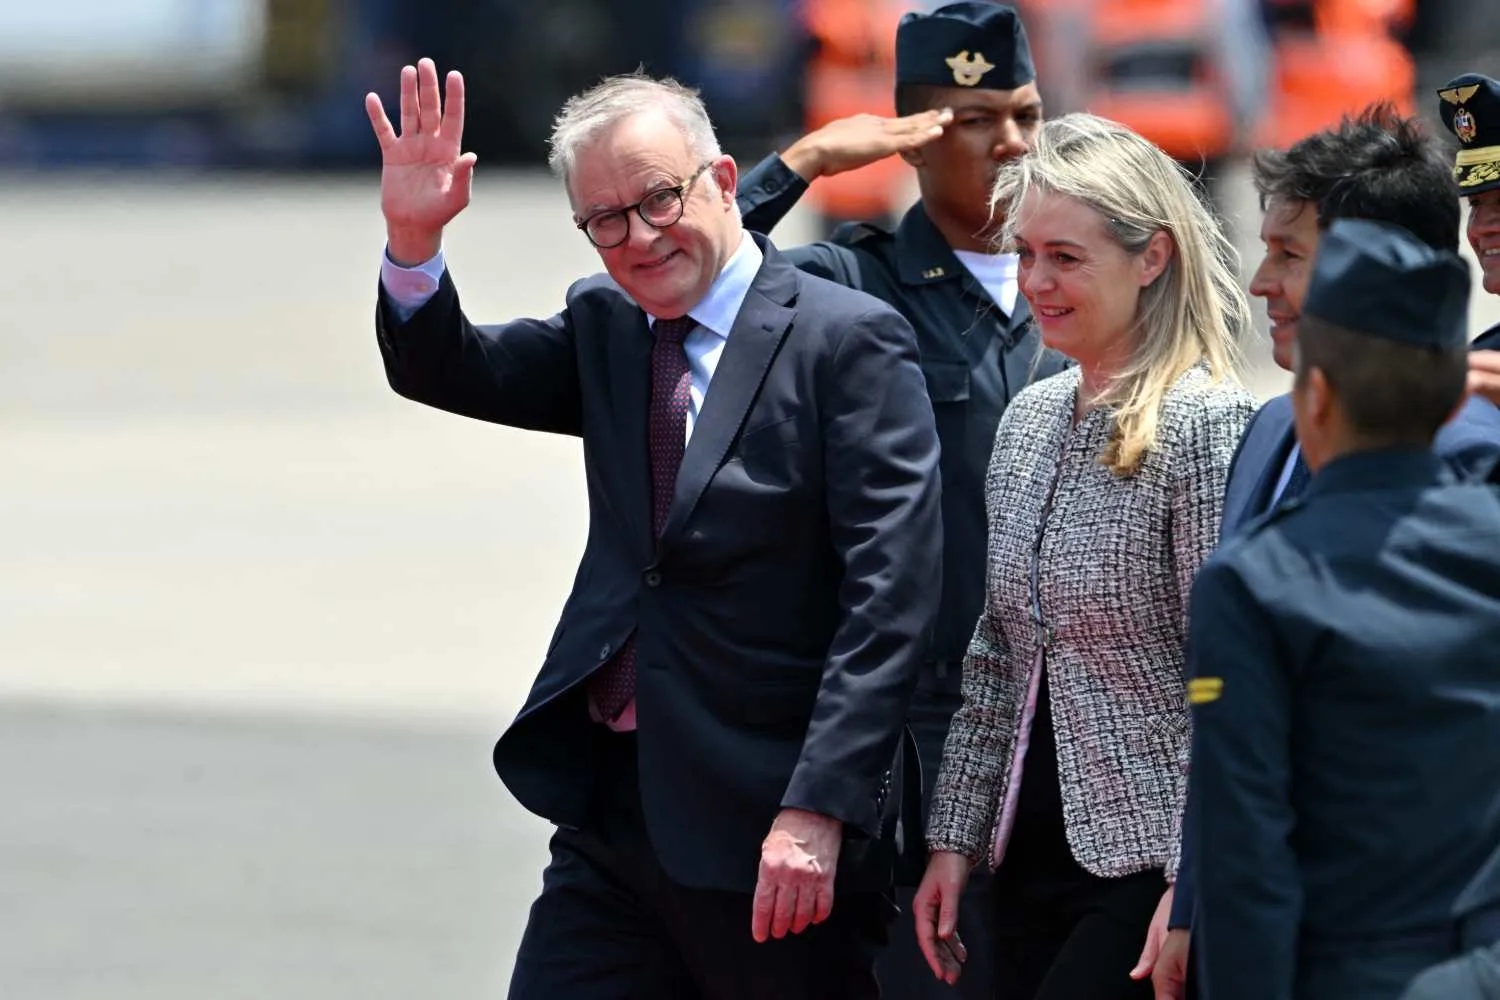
[(609, 923), (903, 972), (1062, 933)]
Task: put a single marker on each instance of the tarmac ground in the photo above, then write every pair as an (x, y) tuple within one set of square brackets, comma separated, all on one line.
[(261, 619)]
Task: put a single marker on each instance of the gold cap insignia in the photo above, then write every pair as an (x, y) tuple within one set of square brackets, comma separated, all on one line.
[(1202, 690), (1459, 95), (968, 70), (1464, 125)]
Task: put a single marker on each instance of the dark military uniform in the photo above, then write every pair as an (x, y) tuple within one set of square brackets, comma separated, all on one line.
[(1344, 673), (1489, 340), (975, 358)]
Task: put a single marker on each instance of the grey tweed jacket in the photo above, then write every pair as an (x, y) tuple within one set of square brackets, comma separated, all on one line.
[(1116, 562)]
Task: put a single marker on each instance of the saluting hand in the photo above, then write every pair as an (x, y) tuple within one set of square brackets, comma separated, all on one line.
[(425, 177), (853, 142)]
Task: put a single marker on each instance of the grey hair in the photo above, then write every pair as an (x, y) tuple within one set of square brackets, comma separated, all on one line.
[(587, 114), (1194, 313)]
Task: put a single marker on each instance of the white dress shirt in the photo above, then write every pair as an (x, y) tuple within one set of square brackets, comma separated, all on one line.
[(410, 288), (998, 273)]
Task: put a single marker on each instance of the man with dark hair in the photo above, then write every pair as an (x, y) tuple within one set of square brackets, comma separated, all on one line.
[(1470, 107), (966, 88), (1374, 166), (1341, 658), (1377, 166)]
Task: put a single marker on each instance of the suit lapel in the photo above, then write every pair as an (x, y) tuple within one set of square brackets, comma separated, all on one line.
[(756, 336), (1263, 458), (630, 386)]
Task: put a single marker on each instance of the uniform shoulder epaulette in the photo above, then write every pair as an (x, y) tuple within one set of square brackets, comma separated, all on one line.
[(854, 233)]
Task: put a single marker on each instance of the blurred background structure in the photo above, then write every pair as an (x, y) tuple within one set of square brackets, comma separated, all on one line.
[(260, 619)]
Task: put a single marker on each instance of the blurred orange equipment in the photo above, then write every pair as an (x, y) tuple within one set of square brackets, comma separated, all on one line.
[(1348, 60), (853, 71), (1153, 67)]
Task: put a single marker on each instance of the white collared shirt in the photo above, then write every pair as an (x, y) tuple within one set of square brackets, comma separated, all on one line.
[(998, 273)]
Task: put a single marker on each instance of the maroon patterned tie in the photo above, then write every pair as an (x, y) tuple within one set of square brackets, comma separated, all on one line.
[(613, 686)]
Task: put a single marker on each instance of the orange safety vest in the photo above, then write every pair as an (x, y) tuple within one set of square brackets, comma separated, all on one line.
[(1152, 66), (853, 72), (1347, 61)]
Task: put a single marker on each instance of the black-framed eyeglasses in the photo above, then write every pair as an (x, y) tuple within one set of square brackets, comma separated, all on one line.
[(659, 210)]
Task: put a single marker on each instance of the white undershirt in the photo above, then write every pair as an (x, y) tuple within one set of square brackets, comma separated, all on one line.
[(997, 272)]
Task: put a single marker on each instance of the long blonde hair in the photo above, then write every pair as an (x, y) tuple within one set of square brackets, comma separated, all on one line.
[(1194, 312)]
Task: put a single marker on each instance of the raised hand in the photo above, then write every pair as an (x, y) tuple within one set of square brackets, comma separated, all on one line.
[(425, 178), (850, 143)]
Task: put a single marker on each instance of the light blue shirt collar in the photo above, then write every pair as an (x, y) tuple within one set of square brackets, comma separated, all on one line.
[(717, 309)]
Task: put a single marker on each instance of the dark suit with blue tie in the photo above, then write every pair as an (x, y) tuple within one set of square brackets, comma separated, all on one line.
[(777, 621), (1466, 442)]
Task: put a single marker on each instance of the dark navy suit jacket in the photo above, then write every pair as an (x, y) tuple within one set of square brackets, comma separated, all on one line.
[(780, 619)]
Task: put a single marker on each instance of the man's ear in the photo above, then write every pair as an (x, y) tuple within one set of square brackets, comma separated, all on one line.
[(727, 176), (1320, 395), (913, 157)]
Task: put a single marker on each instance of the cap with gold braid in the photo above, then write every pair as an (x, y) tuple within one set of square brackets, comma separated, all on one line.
[(1470, 108)]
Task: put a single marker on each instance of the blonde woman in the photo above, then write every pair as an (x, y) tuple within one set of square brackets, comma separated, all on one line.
[(1066, 767)]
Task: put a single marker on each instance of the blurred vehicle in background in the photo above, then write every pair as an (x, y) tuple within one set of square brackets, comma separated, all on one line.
[(279, 84), (1331, 58), (851, 70)]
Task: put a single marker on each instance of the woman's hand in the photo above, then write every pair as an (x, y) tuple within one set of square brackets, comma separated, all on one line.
[(935, 909)]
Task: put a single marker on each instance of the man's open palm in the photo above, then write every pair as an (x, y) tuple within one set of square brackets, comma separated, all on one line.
[(425, 177)]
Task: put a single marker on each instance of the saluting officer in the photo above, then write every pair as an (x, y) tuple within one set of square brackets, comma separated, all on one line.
[(1342, 659), (966, 92)]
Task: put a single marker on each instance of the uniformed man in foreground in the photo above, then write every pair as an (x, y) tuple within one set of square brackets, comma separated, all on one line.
[(1470, 106), (1342, 659), (966, 92)]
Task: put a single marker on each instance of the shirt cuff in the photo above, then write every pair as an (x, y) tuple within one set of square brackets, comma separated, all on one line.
[(410, 288)]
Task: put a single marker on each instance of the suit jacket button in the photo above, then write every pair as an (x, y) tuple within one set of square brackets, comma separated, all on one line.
[(604, 651), (653, 578)]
